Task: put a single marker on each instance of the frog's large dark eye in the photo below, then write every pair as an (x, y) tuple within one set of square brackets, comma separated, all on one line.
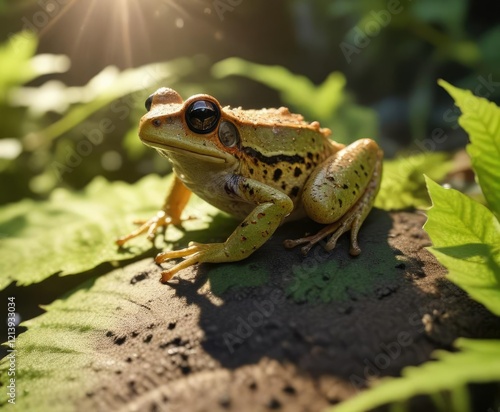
[(202, 116), (228, 134), (148, 103)]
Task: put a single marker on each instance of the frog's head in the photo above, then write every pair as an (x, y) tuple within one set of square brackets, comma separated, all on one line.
[(194, 128)]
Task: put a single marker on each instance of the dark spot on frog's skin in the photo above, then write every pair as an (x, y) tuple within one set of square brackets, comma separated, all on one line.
[(340, 203), (283, 186), (277, 174), (308, 165), (345, 186), (366, 174), (261, 215), (251, 192), (297, 172), (357, 186), (362, 167), (309, 155), (243, 238), (330, 178), (295, 191), (251, 171), (265, 172), (356, 172), (244, 224)]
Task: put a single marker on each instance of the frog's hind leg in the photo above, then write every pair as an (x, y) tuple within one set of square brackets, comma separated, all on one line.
[(351, 221), (345, 166)]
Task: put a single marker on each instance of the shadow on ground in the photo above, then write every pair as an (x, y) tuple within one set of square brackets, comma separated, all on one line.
[(280, 331)]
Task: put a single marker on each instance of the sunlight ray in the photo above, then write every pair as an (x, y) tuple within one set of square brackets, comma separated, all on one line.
[(125, 34), (56, 18), (84, 23)]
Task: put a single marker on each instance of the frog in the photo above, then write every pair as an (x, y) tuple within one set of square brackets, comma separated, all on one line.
[(265, 167)]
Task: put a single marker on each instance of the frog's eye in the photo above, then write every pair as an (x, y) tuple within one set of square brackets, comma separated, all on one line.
[(148, 103), (202, 116), (228, 134)]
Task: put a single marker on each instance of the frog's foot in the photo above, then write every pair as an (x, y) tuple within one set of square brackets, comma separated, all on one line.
[(150, 227), (195, 253), (351, 221)]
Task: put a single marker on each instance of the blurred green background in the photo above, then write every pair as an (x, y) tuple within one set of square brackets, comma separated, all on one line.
[(74, 75)]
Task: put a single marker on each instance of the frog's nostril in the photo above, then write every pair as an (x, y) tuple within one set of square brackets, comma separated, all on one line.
[(156, 122), (148, 103)]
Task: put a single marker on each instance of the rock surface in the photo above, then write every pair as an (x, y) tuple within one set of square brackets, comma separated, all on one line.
[(302, 334)]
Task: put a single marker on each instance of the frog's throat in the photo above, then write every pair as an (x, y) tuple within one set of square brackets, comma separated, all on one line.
[(167, 150)]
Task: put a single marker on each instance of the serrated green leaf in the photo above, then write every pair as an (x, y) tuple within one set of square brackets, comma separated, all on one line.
[(481, 120), (403, 184), (478, 361), (74, 232), (466, 240)]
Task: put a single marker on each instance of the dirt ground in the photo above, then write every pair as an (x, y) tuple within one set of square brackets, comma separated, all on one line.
[(283, 344)]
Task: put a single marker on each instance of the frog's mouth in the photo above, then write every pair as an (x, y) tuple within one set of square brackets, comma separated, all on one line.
[(164, 149)]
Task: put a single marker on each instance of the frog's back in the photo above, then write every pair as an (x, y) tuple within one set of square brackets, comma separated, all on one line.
[(279, 148)]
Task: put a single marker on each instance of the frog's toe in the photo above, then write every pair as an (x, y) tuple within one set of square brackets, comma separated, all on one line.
[(308, 241), (334, 230), (150, 227), (194, 254)]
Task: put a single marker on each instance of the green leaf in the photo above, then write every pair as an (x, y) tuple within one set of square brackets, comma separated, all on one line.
[(104, 88), (466, 240), (481, 120), (296, 90), (478, 361), (403, 184), (15, 55), (59, 357), (74, 232), (327, 103)]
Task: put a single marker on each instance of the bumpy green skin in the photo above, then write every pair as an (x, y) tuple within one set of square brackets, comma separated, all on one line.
[(337, 184), (281, 168)]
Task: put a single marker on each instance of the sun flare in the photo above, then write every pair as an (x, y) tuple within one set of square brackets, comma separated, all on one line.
[(122, 32)]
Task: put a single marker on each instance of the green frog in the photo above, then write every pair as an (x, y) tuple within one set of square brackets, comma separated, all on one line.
[(263, 167)]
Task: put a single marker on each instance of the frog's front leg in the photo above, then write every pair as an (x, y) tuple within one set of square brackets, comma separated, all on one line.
[(170, 213), (272, 206), (341, 193)]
